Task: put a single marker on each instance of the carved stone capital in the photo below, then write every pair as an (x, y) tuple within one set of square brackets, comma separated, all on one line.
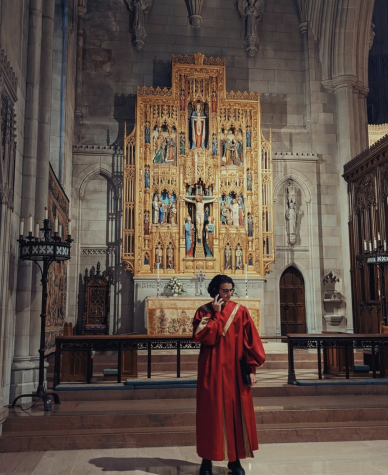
[(139, 9), (194, 8), (251, 11)]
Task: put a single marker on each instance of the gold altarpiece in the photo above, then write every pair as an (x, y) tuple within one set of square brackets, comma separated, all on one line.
[(198, 178)]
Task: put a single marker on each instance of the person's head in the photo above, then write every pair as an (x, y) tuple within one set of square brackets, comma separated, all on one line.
[(221, 285)]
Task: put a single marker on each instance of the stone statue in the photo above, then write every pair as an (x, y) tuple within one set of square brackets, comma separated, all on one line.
[(182, 143), (251, 11), (209, 236), (182, 99), (239, 257), (228, 257), (147, 175), (249, 136), (147, 132), (170, 150), (159, 145), (198, 127), (214, 144), (199, 201), (158, 256), (170, 256), (146, 223), (172, 214), (241, 211), (291, 212), (235, 212), (250, 225), (249, 180), (139, 8), (189, 237), (155, 210), (146, 259), (214, 102)]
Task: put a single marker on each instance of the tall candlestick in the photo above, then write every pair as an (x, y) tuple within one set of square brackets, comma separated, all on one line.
[(69, 227), (370, 246), (365, 246), (30, 223), (36, 229), (21, 227), (378, 237), (45, 213), (60, 230), (385, 246), (56, 225), (246, 271), (375, 244), (158, 269)]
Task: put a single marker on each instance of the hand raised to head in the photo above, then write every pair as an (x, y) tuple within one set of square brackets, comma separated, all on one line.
[(217, 303)]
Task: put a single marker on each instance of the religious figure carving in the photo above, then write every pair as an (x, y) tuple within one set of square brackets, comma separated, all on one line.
[(146, 223), (249, 180), (146, 258), (182, 143), (155, 210), (163, 212), (226, 217), (214, 101), (198, 127), (250, 225), (158, 256), (199, 201), (139, 8), (232, 149), (241, 211), (214, 144), (170, 256), (209, 236), (147, 175), (239, 257), (251, 11), (159, 144), (235, 212), (228, 257), (250, 260), (182, 99), (147, 132), (172, 215), (291, 214), (248, 134), (189, 237), (170, 150)]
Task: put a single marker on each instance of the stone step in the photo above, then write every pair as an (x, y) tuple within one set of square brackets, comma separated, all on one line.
[(185, 436)]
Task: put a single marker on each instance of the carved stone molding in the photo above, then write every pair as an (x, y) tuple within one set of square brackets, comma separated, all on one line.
[(332, 276), (139, 9), (194, 8), (251, 12), (98, 251)]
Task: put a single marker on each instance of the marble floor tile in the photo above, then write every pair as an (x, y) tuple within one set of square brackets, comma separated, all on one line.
[(321, 458)]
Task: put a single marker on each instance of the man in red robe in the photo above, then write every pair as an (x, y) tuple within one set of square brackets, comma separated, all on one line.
[(226, 427)]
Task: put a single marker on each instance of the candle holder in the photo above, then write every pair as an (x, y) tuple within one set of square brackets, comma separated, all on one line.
[(379, 257), (47, 250), (246, 287), (201, 278)]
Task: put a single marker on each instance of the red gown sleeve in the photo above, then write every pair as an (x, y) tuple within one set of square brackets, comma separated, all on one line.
[(254, 351), (207, 327)]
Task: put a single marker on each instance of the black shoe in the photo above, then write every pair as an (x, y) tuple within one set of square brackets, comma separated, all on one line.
[(236, 468), (206, 467)]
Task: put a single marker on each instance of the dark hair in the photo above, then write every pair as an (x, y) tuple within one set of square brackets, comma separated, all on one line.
[(216, 282)]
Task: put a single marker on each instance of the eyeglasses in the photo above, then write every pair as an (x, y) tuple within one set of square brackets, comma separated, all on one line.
[(227, 291)]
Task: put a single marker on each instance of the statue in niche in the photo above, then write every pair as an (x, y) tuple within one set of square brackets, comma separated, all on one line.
[(170, 146), (235, 212), (249, 180), (249, 136), (250, 260), (146, 259), (189, 237), (170, 256), (232, 149), (209, 236), (199, 200), (214, 101), (198, 127), (147, 176), (172, 214), (291, 212), (146, 223), (241, 211), (159, 149), (158, 256), (155, 210), (163, 212), (226, 216), (251, 11), (239, 257), (182, 99), (147, 132), (228, 257), (250, 225), (182, 143), (214, 145)]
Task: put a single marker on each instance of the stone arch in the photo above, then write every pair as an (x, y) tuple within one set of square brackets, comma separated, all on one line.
[(305, 185), (94, 172)]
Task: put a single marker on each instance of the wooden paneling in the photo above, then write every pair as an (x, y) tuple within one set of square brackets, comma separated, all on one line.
[(292, 302)]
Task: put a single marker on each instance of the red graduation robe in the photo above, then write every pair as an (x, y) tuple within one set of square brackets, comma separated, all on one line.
[(226, 427)]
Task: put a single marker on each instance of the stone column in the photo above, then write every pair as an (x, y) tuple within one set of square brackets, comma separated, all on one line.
[(303, 27), (80, 47), (347, 128), (363, 117), (23, 366), (43, 159)]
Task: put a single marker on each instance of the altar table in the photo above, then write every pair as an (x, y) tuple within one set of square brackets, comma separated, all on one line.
[(173, 316)]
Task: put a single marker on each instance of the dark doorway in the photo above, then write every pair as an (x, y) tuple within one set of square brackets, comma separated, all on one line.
[(292, 302)]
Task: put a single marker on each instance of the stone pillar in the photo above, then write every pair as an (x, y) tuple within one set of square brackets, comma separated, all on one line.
[(23, 366), (347, 129), (303, 27), (43, 159), (363, 117), (80, 47)]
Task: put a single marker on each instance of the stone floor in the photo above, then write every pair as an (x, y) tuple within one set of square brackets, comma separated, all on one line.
[(320, 458)]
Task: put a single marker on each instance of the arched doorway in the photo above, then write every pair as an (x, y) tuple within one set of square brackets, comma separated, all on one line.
[(292, 302)]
